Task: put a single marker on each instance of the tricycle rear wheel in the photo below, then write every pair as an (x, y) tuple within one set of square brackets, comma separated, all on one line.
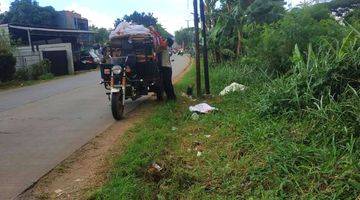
[(117, 106)]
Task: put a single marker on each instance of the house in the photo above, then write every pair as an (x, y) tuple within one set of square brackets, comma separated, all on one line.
[(72, 20), (71, 28)]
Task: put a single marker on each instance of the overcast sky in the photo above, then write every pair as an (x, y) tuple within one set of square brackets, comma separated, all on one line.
[(171, 13)]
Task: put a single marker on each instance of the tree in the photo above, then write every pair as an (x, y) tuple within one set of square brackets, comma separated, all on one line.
[(342, 7), (2, 16), (101, 34), (353, 16), (185, 37), (139, 18), (162, 31), (29, 13), (234, 15), (7, 60), (265, 11)]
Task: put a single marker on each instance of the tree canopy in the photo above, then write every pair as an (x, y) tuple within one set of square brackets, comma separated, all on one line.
[(146, 19), (342, 7), (29, 13), (184, 37), (101, 34)]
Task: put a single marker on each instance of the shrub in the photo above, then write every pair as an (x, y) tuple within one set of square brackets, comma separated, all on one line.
[(7, 66), (40, 69), (276, 42), (47, 76), (22, 74), (316, 81)]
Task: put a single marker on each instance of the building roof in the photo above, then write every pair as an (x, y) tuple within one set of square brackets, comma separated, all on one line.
[(44, 29)]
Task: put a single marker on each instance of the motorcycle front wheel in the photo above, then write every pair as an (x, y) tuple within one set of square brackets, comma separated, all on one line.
[(117, 106)]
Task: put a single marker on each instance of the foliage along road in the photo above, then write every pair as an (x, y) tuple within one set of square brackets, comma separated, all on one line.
[(41, 125)]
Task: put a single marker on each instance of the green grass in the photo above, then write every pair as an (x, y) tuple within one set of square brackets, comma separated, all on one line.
[(248, 155)]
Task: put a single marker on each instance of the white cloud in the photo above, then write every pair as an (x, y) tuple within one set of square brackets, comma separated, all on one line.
[(4, 5), (99, 19)]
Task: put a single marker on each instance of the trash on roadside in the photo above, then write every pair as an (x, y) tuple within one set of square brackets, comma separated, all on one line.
[(58, 192), (195, 116), (198, 154), (198, 146), (154, 172), (78, 180), (174, 128), (156, 167), (234, 87), (207, 136), (202, 108)]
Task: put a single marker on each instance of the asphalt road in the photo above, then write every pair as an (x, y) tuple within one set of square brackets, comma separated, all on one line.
[(41, 125)]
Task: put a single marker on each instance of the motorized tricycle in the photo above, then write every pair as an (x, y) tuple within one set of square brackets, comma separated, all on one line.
[(130, 71)]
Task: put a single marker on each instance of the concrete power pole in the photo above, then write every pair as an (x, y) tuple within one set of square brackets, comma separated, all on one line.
[(197, 49), (205, 48)]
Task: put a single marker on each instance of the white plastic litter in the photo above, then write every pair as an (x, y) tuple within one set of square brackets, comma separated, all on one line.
[(234, 87), (157, 167), (95, 55), (126, 29), (58, 191), (202, 108)]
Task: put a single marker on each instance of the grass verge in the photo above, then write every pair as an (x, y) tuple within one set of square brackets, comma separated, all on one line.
[(244, 154)]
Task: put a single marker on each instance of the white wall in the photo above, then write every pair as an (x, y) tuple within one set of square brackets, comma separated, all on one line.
[(26, 57)]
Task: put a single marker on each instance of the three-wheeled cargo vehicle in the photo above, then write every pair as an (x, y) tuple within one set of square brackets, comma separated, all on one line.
[(130, 70)]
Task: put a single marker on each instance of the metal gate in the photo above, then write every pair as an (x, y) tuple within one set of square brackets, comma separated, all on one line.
[(59, 62)]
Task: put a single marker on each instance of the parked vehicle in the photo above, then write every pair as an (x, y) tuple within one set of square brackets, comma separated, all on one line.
[(130, 71)]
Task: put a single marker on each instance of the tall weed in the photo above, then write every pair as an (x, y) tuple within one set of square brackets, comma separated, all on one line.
[(319, 77)]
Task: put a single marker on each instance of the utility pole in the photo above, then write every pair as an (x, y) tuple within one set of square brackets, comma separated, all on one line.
[(197, 49), (205, 49), (188, 23)]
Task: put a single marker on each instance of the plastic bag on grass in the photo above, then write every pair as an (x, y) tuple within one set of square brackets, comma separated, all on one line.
[(234, 87), (203, 108)]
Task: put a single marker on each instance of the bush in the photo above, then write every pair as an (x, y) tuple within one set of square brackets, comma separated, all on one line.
[(22, 74), (47, 76), (276, 42), (7, 66), (318, 80), (39, 69)]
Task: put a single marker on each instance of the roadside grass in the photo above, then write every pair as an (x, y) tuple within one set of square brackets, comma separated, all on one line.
[(244, 154)]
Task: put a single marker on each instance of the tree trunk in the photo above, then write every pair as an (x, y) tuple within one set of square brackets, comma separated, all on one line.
[(239, 44)]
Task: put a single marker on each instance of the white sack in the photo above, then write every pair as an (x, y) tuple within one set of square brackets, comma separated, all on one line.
[(234, 87), (126, 29), (202, 108)]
